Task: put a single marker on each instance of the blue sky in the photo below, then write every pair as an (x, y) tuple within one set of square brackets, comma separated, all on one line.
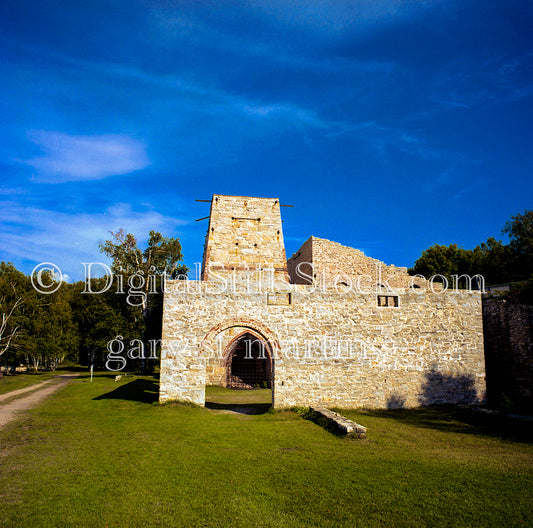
[(390, 126)]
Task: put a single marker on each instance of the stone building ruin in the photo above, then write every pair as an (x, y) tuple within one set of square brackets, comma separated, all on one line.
[(329, 326)]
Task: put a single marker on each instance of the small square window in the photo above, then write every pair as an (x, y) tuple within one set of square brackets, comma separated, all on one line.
[(388, 301)]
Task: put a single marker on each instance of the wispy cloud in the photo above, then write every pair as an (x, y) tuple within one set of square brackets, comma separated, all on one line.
[(498, 79), (386, 139), (12, 190), (176, 28), (75, 158), (36, 234), (68, 158), (215, 101), (334, 18)]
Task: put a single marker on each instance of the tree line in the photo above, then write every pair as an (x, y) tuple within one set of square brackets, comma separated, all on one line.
[(497, 262), (40, 330)]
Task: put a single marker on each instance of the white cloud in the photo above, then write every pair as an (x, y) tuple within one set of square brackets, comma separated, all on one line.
[(38, 235), (80, 158)]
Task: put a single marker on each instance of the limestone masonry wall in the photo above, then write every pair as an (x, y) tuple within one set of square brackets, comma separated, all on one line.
[(321, 261), (244, 233), (300, 265), (331, 349)]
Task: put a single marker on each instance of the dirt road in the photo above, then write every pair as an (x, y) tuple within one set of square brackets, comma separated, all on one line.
[(38, 393)]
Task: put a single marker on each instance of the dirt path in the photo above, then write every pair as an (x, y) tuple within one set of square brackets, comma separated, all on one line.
[(9, 411), (12, 394)]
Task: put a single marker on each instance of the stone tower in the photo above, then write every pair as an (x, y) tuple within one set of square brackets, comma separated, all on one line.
[(244, 234)]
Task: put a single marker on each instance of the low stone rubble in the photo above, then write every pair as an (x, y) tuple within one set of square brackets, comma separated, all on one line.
[(337, 422)]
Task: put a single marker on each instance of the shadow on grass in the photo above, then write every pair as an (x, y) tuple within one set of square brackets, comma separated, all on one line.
[(463, 420), (242, 408), (139, 390)]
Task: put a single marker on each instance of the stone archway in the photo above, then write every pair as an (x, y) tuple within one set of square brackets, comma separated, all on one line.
[(207, 345), (247, 362), (229, 330)]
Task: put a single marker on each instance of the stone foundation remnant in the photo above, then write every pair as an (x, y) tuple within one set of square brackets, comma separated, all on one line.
[(335, 422)]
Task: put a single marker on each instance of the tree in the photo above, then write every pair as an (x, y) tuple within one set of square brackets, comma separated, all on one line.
[(7, 332), (444, 260), (495, 261), (160, 258), (35, 327), (14, 286), (520, 231), (54, 334), (100, 318), (143, 274)]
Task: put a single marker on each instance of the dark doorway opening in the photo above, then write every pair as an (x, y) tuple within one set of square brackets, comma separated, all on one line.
[(248, 364)]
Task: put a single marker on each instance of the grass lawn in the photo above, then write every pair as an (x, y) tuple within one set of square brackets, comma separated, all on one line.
[(107, 454)]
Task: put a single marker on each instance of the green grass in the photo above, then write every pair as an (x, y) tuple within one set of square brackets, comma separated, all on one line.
[(255, 401), (106, 454)]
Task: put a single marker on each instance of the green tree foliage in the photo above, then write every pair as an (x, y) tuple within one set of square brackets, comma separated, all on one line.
[(439, 260), (101, 317), (13, 286), (495, 261), (42, 329), (162, 255), (44, 325), (143, 274), (520, 231), (51, 333)]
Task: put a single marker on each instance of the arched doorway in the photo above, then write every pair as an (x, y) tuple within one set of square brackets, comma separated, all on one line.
[(248, 364)]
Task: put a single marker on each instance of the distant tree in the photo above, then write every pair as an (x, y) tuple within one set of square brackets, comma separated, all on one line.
[(101, 318), (37, 328), (444, 260), (54, 333), (495, 261)]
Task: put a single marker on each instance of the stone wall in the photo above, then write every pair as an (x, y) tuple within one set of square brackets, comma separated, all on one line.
[(330, 348), (323, 262), (300, 265), (508, 329)]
